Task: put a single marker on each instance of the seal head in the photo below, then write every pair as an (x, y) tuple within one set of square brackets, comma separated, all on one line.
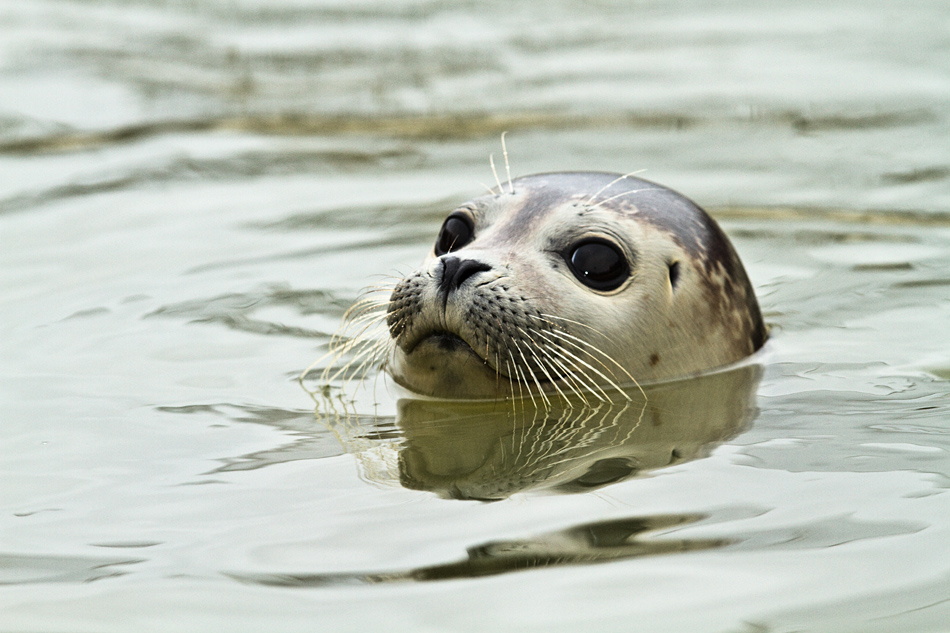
[(567, 282)]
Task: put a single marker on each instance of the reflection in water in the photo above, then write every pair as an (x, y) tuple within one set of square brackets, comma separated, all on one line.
[(607, 541), (21, 569), (491, 450), (308, 442), (584, 544)]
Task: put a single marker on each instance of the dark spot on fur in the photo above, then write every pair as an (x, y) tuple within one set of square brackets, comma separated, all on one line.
[(654, 359)]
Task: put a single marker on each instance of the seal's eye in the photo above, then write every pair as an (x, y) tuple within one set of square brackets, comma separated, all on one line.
[(457, 231), (598, 264)]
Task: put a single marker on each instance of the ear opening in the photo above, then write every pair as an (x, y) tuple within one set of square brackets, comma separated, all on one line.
[(674, 273)]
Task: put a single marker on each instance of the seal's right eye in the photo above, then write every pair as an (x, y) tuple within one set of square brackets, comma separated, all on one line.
[(598, 264), (457, 231)]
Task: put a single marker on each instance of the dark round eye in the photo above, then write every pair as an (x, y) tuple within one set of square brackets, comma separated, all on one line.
[(598, 264), (457, 231)]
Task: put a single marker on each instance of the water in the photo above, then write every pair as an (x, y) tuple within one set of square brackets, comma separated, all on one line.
[(192, 193)]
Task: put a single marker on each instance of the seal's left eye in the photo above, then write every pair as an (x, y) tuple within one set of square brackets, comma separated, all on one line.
[(457, 231), (598, 264)]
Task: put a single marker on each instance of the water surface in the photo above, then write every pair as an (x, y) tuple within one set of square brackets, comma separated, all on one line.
[(191, 194)]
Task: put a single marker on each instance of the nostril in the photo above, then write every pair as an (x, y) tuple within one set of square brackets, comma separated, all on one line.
[(456, 272), (468, 268)]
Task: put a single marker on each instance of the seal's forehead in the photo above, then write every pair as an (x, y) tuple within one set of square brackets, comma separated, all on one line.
[(526, 201), (642, 200)]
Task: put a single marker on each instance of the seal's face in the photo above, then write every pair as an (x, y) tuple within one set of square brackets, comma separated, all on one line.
[(568, 282)]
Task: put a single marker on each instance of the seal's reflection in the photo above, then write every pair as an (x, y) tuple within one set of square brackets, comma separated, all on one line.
[(491, 450), (584, 544)]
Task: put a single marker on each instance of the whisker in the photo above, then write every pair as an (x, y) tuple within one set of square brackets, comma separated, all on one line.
[(609, 185), (580, 360), (543, 362), (610, 379), (622, 193), (592, 387), (366, 324), (511, 383), (568, 373), (577, 343), (303, 374), (571, 321), (491, 161), (523, 380), (588, 347), (576, 385), (358, 311), (368, 316), (533, 377), (504, 150), (511, 392), (515, 446), (368, 349)]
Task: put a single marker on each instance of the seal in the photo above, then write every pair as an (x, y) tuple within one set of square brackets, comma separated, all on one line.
[(566, 283)]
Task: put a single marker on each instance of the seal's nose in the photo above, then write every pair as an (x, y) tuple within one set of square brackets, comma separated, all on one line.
[(456, 271)]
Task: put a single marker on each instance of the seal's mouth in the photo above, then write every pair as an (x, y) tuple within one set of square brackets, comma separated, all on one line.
[(449, 344), (443, 340), (446, 341)]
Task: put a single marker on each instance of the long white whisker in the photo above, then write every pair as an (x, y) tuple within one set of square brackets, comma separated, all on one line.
[(504, 150), (587, 347), (592, 348), (544, 363), (571, 321), (491, 161), (369, 351), (591, 387), (365, 313), (523, 380), (560, 335), (533, 377), (578, 387), (609, 185), (514, 408), (622, 193), (511, 391)]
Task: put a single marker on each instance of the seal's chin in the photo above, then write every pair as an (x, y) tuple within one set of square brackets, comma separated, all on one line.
[(442, 364)]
